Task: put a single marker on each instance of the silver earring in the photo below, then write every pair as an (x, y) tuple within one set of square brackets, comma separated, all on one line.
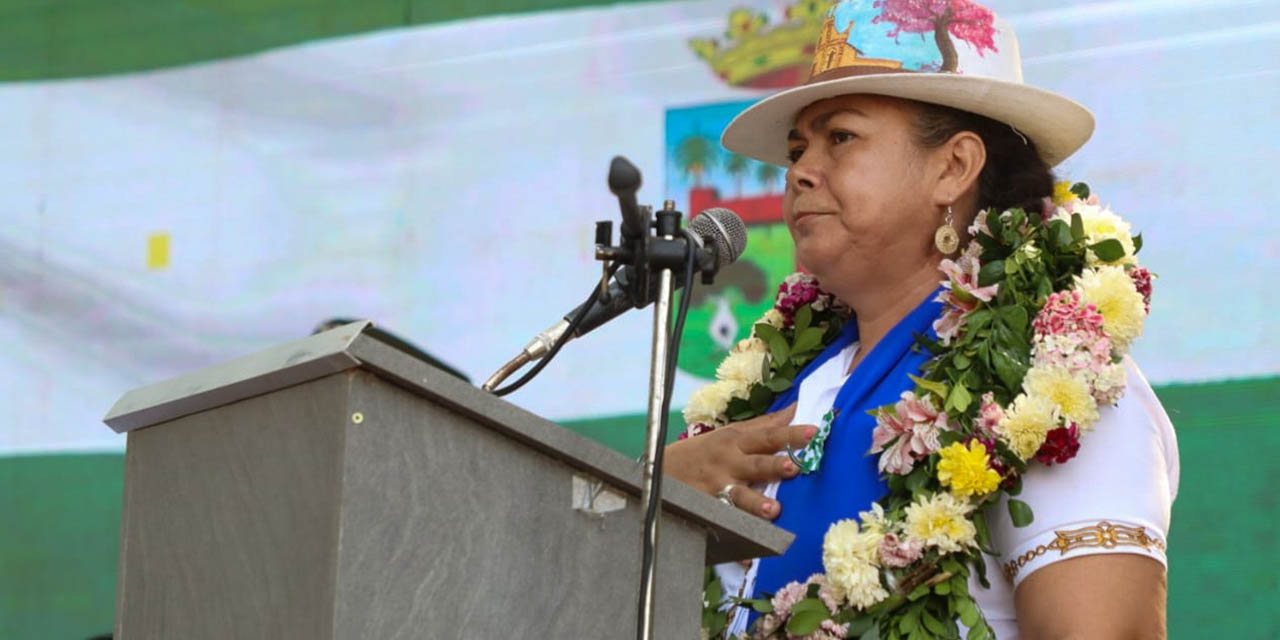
[(946, 238)]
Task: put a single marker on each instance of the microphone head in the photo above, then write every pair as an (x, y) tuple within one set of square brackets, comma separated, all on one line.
[(723, 228), (624, 177)]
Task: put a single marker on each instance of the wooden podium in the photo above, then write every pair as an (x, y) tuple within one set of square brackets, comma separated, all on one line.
[(337, 488)]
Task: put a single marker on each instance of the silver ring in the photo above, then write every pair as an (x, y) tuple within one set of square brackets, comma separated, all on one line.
[(726, 494)]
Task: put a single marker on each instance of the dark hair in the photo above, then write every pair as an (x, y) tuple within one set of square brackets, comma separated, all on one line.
[(1014, 175)]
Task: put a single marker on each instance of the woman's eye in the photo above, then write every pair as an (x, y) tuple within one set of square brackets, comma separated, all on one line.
[(794, 154), (841, 136)]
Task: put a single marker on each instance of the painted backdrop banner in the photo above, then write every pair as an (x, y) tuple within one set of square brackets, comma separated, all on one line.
[(443, 181)]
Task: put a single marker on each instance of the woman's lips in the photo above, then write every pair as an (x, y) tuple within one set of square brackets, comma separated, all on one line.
[(800, 215)]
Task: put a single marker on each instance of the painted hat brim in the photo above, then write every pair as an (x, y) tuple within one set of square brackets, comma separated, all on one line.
[(1058, 125)]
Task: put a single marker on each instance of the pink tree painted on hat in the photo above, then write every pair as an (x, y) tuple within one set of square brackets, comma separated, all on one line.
[(963, 19)]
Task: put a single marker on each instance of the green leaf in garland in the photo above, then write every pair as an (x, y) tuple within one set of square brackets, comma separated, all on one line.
[(807, 340), (961, 361), (777, 343), (950, 564), (942, 588), (979, 632), (1020, 513), (1015, 318), (968, 612), (933, 624), (804, 317), (959, 398), (991, 273), (760, 605), (909, 621), (917, 478), (948, 437), (1060, 236), (1081, 190), (1137, 244), (778, 384), (984, 535), (1108, 250), (1006, 368), (995, 223), (860, 626), (937, 388), (918, 592), (1077, 226), (980, 566), (760, 399), (805, 620)]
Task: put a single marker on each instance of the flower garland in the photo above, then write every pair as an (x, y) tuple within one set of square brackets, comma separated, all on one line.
[(1040, 308)]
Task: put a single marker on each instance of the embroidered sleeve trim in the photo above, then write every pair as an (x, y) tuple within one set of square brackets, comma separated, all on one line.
[(1102, 535)]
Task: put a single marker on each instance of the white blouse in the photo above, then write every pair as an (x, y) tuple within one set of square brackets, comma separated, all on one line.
[(1113, 497)]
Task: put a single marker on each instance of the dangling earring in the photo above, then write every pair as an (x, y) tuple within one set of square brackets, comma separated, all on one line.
[(946, 238)]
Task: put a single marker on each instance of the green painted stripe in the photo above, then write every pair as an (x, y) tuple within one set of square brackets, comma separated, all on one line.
[(40, 39), (62, 515)]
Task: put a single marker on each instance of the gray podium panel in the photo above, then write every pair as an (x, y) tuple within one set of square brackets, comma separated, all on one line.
[(337, 488)]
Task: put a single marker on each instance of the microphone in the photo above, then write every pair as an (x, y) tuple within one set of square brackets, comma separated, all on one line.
[(624, 181), (720, 228)]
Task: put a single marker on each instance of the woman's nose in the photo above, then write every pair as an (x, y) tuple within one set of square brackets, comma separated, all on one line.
[(804, 175)]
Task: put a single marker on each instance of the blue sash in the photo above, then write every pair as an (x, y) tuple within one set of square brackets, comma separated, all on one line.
[(847, 480)]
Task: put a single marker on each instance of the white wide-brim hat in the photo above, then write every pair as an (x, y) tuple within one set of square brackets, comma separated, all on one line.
[(893, 50)]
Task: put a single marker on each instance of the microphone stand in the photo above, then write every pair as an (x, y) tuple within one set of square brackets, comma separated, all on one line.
[(668, 221)]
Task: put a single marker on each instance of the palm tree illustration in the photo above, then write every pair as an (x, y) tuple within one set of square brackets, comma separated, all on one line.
[(736, 166), (768, 175), (696, 155)]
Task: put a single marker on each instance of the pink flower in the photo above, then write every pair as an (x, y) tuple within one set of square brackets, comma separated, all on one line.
[(898, 553), (906, 433), (1142, 281), (1060, 445), (788, 596), (1064, 313), (962, 293), (990, 414)]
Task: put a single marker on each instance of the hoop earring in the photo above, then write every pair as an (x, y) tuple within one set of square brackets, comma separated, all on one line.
[(945, 238)]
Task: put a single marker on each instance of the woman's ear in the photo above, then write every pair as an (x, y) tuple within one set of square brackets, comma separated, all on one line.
[(959, 161)]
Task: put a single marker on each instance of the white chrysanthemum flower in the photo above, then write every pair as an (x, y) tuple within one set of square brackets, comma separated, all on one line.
[(747, 367), (709, 403), (1026, 423), (941, 521), (773, 318), (1100, 223), (751, 345), (1111, 290), (874, 520), (1069, 392), (850, 557), (1109, 384)]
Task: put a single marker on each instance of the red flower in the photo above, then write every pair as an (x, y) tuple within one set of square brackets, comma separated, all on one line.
[(1142, 282), (1060, 445)]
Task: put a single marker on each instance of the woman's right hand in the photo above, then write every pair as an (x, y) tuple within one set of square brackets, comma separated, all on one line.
[(740, 454)]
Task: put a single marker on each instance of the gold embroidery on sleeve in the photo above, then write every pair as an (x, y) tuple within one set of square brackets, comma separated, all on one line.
[(1104, 534)]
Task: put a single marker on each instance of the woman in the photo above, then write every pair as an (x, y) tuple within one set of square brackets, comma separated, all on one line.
[(896, 141)]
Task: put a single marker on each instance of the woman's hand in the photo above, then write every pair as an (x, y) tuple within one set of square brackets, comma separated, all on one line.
[(740, 454)]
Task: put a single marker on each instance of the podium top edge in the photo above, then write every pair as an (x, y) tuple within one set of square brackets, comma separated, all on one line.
[(274, 368)]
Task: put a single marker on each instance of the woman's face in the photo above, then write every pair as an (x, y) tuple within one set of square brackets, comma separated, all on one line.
[(858, 202)]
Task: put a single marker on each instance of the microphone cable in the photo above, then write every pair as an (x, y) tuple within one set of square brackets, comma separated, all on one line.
[(560, 342)]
